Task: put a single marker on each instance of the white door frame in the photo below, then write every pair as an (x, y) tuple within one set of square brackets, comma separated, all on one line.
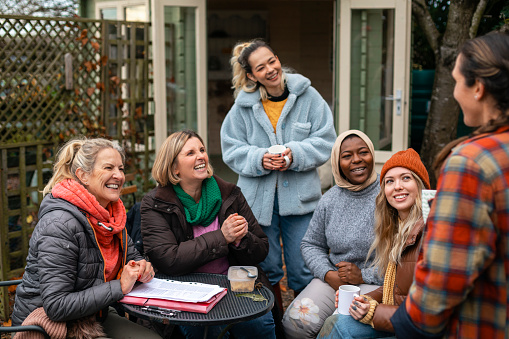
[(158, 48), (402, 59)]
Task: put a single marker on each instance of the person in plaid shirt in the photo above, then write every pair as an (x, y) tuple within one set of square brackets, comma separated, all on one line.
[(461, 284)]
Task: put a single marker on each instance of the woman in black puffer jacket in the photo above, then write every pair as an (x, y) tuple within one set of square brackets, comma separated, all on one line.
[(80, 259)]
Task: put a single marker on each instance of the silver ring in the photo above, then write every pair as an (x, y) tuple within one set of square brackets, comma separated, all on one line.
[(287, 160)]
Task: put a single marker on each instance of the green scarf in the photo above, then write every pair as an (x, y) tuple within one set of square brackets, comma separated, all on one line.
[(205, 211)]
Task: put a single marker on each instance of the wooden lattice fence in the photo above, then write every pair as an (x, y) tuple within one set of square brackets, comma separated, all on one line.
[(105, 90)]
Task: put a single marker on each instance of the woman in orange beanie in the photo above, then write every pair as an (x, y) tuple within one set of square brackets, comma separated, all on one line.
[(398, 232)]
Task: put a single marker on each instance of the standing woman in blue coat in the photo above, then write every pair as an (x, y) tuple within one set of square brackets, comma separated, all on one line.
[(276, 108)]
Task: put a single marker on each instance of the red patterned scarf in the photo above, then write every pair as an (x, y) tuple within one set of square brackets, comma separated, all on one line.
[(113, 218)]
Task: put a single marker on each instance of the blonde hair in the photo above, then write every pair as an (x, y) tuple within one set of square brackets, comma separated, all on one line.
[(241, 68), (390, 234), (78, 153), (166, 159)]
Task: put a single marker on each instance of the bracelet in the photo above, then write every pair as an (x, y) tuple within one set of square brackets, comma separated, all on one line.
[(287, 160), (368, 318)]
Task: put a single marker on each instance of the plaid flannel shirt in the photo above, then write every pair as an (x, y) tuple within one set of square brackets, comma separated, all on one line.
[(462, 282)]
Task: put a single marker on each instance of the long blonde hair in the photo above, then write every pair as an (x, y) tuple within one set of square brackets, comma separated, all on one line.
[(78, 153), (241, 68), (391, 235)]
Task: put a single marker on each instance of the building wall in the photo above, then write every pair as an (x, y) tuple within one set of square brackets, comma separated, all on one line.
[(300, 32)]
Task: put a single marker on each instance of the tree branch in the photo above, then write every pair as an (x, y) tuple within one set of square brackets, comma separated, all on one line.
[(426, 23), (476, 18)]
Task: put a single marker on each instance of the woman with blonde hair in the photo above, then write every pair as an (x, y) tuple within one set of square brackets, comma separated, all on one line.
[(398, 235), (81, 260), (194, 221), (273, 107)]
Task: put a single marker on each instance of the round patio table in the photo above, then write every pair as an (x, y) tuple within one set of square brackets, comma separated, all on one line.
[(231, 309)]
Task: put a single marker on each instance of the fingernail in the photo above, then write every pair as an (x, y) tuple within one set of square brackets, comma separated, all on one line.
[(139, 277)]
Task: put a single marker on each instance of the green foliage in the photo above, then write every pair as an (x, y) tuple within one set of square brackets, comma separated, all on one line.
[(497, 21)]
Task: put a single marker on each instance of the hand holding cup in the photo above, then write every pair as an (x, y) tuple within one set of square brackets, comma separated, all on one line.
[(277, 158), (346, 294), (359, 307)]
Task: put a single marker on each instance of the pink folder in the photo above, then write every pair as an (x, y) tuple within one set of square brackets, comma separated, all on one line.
[(201, 307)]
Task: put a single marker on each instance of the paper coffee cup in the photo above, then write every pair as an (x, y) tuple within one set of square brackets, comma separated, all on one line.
[(345, 297), (277, 149)]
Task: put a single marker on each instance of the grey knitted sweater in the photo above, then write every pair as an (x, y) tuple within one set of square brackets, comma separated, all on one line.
[(342, 230)]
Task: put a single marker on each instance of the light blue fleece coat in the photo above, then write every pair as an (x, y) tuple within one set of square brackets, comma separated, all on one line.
[(305, 126)]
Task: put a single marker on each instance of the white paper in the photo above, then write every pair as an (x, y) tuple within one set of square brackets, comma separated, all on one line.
[(175, 290), (426, 196)]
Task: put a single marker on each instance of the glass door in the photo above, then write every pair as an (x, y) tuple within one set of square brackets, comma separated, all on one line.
[(374, 72), (178, 32)]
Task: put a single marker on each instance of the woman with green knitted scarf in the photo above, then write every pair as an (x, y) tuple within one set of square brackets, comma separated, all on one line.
[(194, 221)]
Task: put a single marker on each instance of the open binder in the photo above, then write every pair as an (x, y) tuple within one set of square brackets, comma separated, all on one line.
[(199, 307)]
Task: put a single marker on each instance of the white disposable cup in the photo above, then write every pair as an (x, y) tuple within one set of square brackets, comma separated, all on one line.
[(346, 294), (277, 149)]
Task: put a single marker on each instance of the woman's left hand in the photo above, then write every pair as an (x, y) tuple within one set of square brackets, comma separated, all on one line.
[(359, 308), (146, 271)]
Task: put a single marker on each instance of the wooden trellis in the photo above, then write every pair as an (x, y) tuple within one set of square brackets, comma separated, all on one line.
[(104, 90)]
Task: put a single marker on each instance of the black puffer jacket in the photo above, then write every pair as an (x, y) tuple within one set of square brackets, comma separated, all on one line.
[(65, 269)]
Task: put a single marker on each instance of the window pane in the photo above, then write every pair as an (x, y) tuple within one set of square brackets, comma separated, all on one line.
[(109, 13), (180, 52), (372, 74), (136, 13)]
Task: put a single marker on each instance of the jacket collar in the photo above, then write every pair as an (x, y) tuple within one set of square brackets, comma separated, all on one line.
[(415, 233), (483, 135)]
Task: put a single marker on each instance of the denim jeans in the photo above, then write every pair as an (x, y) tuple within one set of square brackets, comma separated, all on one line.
[(340, 326), (261, 327), (292, 229)]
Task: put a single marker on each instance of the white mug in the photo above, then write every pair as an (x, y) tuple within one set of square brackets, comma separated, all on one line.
[(277, 149), (346, 294)]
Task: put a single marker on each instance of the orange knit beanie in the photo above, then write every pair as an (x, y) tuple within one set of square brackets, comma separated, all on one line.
[(408, 159)]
